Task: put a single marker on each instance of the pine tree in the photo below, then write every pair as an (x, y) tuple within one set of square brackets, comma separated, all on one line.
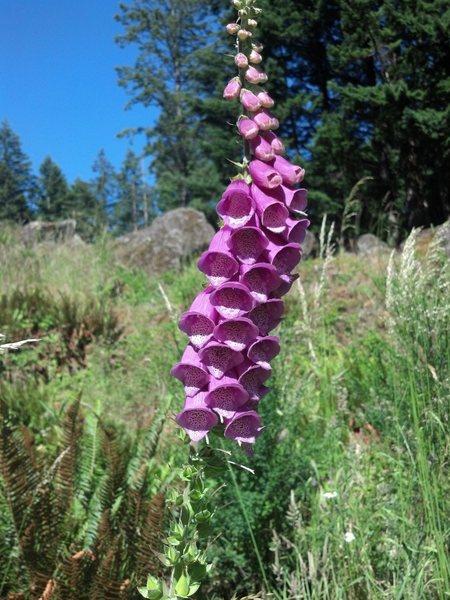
[(132, 206), (104, 187), (17, 184), (54, 199), (86, 210), (169, 37)]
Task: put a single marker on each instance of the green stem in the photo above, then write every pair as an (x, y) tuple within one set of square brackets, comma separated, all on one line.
[(249, 527)]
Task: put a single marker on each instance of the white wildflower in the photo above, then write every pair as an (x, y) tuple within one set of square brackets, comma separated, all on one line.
[(349, 537)]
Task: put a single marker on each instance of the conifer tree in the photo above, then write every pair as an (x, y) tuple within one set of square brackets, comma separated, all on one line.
[(104, 187), (17, 184), (169, 37), (86, 210), (54, 199), (131, 209)]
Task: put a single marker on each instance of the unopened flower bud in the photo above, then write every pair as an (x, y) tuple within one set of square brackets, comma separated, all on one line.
[(252, 23), (233, 28), (237, 3), (240, 60), (248, 128), (249, 101), (232, 89), (242, 12), (265, 100), (257, 46), (255, 75), (255, 57), (265, 120), (243, 34)]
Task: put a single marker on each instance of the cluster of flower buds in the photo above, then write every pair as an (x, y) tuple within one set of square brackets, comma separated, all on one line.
[(249, 265)]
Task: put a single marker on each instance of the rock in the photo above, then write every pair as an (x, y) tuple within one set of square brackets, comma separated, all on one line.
[(309, 244), (167, 242), (426, 236), (368, 244), (57, 232)]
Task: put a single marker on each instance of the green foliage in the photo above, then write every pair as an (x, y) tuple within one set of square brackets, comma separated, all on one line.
[(85, 514), (53, 202), (17, 184), (170, 40)]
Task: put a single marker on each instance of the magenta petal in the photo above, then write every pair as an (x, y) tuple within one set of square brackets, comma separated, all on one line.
[(191, 372), (247, 244), (199, 321), (252, 378), (236, 206), (226, 395), (296, 230), (244, 427), (248, 128), (291, 174), (196, 418), (261, 279), (272, 212), (218, 264), (264, 350), (265, 120), (268, 315), (284, 257), (249, 101), (275, 142), (261, 149), (232, 300), (236, 333), (285, 285), (219, 358), (295, 200), (263, 175)]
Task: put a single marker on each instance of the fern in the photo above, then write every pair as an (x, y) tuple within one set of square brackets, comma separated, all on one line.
[(84, 521)]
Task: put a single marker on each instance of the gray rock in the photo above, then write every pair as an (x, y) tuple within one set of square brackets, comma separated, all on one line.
[(368, 244), (309, 244), (167, 242), (57, 232)]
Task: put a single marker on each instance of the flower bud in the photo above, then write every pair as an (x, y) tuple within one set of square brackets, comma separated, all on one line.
[(262, 149), (255, 57), (243, 34), (240, 60), (249, 101), (265, 100), (233, 28), (232, 89), (252, 23), (265, 120), (237, 3), (257, 46), (275, 142), (248, 128), (252, 75)]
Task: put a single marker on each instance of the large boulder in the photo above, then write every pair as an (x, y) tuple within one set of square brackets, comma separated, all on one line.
[(170, 239), (309, 244), (57, 232), (368, 245)]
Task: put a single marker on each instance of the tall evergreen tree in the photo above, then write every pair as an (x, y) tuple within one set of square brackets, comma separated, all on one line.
[(169, 37), (54, 198), (131, 208), (85, 209), (17, 184), (104, 187)]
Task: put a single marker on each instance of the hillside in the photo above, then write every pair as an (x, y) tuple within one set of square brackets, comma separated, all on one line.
[(350, 496)]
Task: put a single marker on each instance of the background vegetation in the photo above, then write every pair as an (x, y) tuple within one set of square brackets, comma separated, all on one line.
[(350, 497), (362, 91)]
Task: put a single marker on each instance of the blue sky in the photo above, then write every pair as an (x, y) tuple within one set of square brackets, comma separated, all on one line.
[(59, 88)]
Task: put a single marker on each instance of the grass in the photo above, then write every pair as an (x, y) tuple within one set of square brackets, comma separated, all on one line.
[(351, 496)]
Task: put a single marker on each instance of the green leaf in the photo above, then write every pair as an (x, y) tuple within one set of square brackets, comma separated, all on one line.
[(182, 586)]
